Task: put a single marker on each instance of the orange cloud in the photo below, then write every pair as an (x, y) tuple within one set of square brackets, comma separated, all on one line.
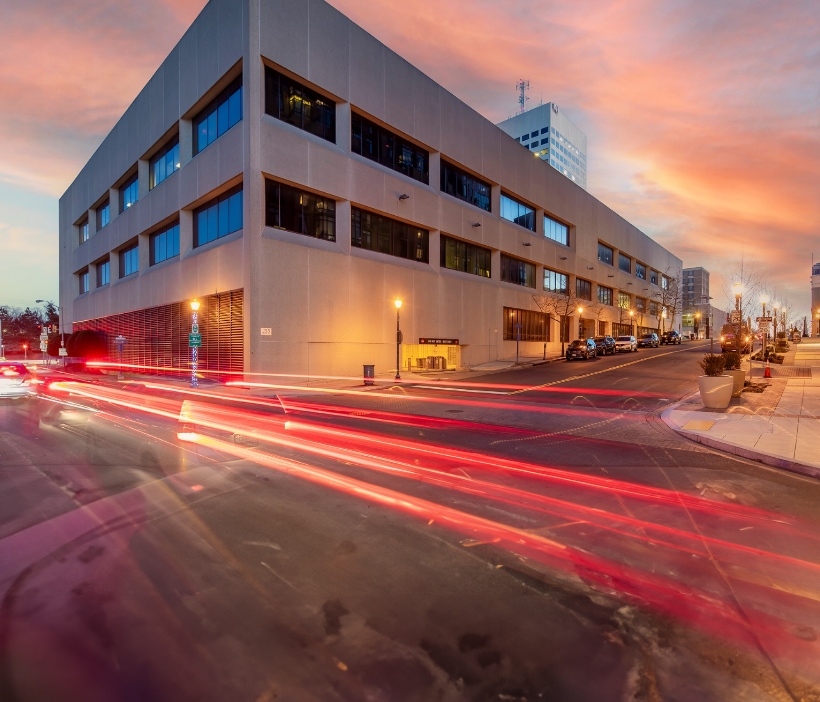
[(702, 118)]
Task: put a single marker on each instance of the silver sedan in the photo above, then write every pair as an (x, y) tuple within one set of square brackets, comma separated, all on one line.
[(16, 380)]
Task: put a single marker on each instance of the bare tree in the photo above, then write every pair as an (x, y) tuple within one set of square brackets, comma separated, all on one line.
[(669, 297), (560, 305)]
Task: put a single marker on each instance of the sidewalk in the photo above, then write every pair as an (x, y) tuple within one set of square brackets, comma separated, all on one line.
[(779, 426)]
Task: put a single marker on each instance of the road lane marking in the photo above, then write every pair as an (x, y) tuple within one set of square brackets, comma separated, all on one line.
[(598, 372), (448, 389)]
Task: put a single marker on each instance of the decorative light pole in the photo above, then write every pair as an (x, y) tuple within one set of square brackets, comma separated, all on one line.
[(194, 342), (697, 325), (632, 322), (775, 307), (764, 300), (397, 303)]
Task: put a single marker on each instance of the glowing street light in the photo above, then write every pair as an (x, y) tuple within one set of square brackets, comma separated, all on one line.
[(397, 303)]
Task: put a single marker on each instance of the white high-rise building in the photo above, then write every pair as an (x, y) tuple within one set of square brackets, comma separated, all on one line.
[(550, 135)]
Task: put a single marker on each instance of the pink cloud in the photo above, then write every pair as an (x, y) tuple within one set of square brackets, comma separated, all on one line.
[(703, 118)]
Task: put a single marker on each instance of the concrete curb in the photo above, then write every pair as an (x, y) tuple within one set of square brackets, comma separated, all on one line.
[(759, 456)]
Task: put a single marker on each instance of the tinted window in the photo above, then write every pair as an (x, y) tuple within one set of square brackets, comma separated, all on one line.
[(464, 186), (640, 271), (515, 211), (219, 217), (379, 233), (556, 231), (103, 273), (163, 163), (372, 141), (461, 256), (624, 263), (165, 244), (83, 277), (103, 215), (583, 289), (129, 193), (129, 261), (83, 228), (299, 211), (219, 116), (296, 104), (604, 254), (653, 277), (514, 270), (555, 281), (604, 295), (525, 325)]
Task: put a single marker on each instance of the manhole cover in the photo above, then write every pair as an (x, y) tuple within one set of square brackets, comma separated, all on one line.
[(454, 411)]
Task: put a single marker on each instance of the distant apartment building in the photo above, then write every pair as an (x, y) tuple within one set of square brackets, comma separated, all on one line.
[(551, 136), (699, 317)]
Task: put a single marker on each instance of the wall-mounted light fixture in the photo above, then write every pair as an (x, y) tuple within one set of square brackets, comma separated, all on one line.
[(563, 258), (527, 243), (476, 225), (404, 196)]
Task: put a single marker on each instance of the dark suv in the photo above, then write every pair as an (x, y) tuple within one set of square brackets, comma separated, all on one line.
[(604, 345), (670, 337), (581, 348), (650, 340)]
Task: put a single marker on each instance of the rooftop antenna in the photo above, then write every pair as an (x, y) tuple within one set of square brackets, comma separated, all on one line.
[(522, 86)]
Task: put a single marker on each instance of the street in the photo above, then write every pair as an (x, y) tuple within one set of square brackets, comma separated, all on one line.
[(530, 534)]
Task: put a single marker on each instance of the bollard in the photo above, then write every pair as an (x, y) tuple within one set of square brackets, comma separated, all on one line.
[(369, 374)]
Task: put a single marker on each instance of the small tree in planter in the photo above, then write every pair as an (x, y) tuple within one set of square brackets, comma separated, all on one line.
[(732, 364), (715, 387)]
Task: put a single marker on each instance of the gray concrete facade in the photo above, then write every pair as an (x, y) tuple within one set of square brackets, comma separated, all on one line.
[(329, 304)]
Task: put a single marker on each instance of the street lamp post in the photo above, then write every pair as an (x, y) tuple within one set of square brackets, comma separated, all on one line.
[(194, 346), (632, 322), (697, 325), (764, 299), (399, 339)]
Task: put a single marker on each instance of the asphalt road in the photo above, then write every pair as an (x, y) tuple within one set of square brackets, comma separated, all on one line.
[(542, 536)]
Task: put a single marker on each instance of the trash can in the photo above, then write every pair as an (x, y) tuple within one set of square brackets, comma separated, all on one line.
[(369, 374)]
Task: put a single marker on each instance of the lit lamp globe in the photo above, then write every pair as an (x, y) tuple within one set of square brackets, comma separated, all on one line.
[(194, 305), (397, 303)]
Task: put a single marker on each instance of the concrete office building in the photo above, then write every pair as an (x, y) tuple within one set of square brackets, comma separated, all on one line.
[(296, 176), (549, 134)]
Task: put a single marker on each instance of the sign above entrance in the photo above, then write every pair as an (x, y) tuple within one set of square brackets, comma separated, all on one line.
[(440, 342)]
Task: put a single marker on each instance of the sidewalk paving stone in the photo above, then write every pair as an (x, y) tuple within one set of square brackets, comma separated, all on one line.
[(780, 426)]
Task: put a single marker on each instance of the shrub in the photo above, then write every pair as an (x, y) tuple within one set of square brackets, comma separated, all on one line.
[(732, 360), (712, 365)]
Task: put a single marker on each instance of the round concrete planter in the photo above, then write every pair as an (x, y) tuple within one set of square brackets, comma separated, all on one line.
[(715, 391), (739, 376)]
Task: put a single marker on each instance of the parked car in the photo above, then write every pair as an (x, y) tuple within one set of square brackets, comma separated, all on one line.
[(16, 380), (626, 343), (604, 345), (649, 340), (670, 337), (581, 348)]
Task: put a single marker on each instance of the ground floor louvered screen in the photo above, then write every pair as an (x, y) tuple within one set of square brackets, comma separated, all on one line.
[(158, 336)]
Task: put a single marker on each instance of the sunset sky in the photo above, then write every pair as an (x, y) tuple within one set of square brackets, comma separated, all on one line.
[(702, 117)]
